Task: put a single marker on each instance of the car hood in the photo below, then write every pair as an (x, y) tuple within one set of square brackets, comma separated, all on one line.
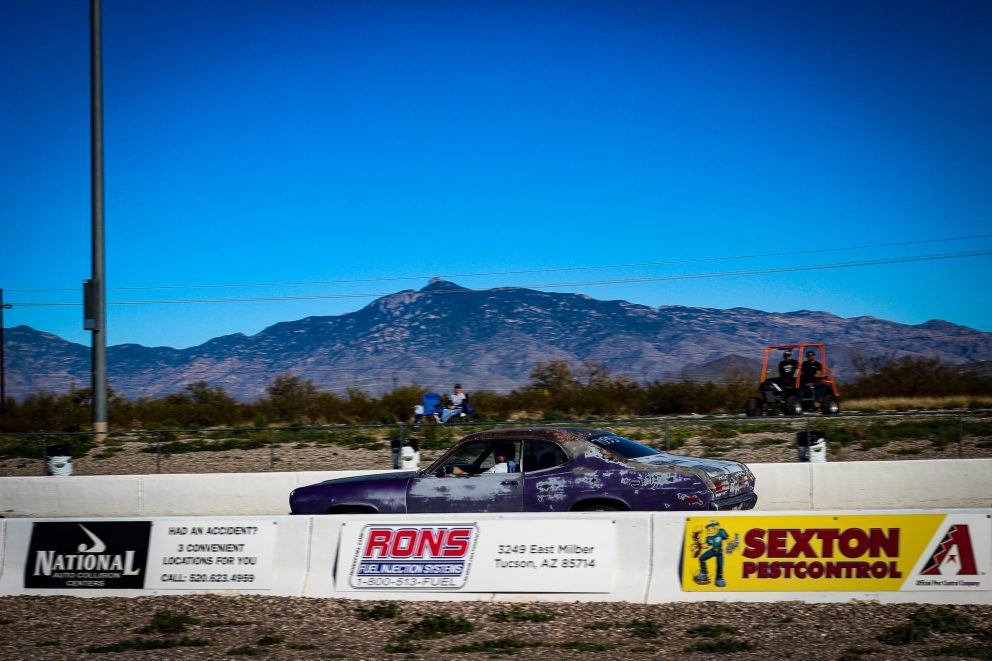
[(735, 474), (711, 466)]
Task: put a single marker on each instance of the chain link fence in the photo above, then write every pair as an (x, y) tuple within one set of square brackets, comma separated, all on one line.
[(849, 437)]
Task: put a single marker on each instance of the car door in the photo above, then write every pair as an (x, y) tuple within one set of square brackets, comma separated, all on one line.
[(549, 484), (479, 492)]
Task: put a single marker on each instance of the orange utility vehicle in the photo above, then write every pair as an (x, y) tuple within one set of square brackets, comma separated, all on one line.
[(800, 385)]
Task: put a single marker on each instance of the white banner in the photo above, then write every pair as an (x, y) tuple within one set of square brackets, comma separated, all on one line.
[(205, 554), (485, 556)]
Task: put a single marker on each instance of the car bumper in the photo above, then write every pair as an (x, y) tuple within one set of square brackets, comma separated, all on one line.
[(745, 501)]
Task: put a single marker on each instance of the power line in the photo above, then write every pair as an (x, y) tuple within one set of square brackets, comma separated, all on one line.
[(693, 260), (552, 285)]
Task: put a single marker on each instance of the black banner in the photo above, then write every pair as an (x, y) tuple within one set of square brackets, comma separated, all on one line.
[(88, 555)]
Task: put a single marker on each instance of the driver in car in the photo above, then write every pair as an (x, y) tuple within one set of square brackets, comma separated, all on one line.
[(504, 462)]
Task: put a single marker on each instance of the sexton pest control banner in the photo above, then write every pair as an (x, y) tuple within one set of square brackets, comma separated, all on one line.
[(827, 553)]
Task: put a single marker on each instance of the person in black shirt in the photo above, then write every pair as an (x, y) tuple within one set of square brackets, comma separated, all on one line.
[(812, 369), (787, 370)]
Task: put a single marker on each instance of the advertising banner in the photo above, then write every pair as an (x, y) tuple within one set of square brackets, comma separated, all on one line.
[(483, 556), (827, 553), (87, 555), (221, 554)]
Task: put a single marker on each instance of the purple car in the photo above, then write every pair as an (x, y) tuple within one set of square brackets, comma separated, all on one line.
[(540, 470)]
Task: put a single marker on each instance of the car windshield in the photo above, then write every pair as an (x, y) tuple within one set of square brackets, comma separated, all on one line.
[(622, 447)]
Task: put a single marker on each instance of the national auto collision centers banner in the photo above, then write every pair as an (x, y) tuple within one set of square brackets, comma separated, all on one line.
[(837, 553)]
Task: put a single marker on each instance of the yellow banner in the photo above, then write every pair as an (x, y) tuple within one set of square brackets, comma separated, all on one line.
[(804, 553)]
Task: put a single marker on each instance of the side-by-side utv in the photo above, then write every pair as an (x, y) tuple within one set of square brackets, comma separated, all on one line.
[(792, 389)]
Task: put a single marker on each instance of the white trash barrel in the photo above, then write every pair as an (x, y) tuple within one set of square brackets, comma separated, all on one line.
[(409, 458), (59, 466), (811, 447), (818, 451)]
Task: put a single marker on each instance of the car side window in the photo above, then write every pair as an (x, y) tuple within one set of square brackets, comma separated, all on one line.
[(508, 451), (467, 454), (539, 455)]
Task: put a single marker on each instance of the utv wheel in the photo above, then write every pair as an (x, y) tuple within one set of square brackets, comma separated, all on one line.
[(753, 407), (830, 405), (793, 406)]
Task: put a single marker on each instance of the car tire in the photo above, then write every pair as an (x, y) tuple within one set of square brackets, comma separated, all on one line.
[(599, 507), (830, 405), (753, 407), (793, 406)]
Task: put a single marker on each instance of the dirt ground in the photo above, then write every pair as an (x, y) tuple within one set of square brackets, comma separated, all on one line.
[(298, 628)]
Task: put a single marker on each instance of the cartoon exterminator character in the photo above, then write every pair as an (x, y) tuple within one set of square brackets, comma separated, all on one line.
[(715, 536)]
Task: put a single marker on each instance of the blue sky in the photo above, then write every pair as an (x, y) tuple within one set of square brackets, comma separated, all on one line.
[(363, 147)]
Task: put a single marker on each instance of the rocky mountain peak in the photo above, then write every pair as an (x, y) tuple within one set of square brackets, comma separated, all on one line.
[(440, 284)]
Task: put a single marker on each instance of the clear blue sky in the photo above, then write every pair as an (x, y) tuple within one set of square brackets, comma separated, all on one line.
[(252, 142)]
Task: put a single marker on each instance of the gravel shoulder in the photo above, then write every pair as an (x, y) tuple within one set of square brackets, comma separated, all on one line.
[(298, 628)]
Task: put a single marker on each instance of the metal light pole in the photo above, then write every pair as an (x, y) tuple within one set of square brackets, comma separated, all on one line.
[(3, 374), (98, 288)]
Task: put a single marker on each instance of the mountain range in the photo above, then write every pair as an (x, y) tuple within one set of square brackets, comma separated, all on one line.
[(486, 339)]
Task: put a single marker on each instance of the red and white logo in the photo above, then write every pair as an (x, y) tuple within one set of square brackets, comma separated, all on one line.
[(422, 557), (954, 556)]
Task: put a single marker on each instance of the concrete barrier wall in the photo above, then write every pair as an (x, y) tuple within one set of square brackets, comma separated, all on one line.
[(943, 483), (223, 494), (314, 556)]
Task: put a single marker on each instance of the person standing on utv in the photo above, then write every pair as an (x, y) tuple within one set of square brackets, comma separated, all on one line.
[(811, 369), (456, 404), (787, 370)]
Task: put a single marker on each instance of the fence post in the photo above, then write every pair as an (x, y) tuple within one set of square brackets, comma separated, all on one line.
[(960, 434), (667, 437), (272, 449), (44, 454), (158, 451)]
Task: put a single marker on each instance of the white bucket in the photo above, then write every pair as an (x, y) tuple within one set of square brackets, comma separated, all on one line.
[(60, 466), (409, 458), (818, 452)]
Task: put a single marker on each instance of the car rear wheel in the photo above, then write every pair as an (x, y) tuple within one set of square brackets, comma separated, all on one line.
[(599, 506), (793, 406), (753, 407)]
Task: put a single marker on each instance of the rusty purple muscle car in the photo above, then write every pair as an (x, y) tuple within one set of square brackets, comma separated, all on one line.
[(540, 470)]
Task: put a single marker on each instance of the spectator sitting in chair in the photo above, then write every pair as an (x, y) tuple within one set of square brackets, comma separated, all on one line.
[(812, 369), (456, 404)]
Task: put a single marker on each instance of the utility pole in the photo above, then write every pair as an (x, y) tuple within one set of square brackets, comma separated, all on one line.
[(3, 373), (97, 290)]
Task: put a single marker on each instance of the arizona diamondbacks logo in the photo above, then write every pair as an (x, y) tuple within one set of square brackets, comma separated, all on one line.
[(955, 552)]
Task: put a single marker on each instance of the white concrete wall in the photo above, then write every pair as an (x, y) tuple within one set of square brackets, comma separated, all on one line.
[(224, 494), (647, 560), (942, 483)]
